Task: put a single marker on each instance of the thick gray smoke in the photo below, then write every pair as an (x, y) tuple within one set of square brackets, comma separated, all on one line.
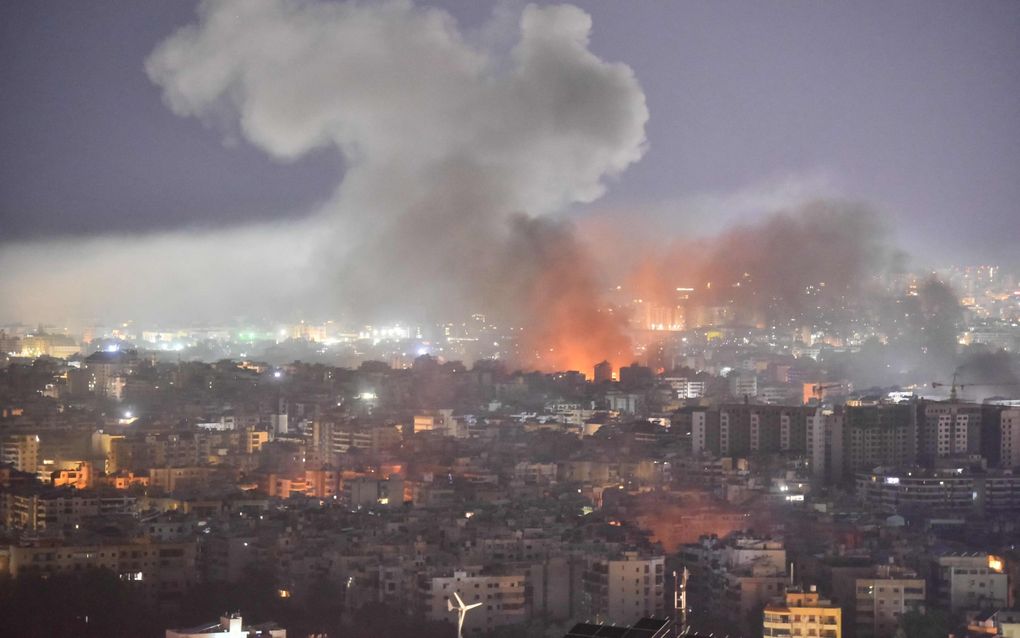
[(793, 267), (445, 142)]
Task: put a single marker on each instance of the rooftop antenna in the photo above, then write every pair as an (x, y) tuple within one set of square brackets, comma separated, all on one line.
[(462, 611)]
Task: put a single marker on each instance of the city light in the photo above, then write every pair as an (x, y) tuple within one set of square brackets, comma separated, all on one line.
[(670, 319)]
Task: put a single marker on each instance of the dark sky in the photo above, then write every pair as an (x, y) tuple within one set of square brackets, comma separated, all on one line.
[(913, 106)]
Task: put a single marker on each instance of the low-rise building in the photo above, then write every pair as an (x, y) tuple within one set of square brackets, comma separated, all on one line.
[(882, 599), (231, 626)]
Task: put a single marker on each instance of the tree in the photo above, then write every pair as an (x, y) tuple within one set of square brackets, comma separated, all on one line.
[(936, 623)]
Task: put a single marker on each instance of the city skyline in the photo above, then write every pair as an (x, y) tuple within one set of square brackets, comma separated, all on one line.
[(509, 319), (164, 190)]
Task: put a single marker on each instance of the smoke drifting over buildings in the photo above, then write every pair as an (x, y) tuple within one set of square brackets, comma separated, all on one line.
[(823, 254), (459, 153), (453, 152)]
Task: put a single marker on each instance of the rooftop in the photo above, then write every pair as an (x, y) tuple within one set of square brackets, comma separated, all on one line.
[(644, 628)]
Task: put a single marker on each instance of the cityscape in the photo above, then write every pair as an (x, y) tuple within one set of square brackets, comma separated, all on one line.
[(338, 319)]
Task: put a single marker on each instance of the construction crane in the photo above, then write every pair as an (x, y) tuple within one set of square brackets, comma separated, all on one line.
[(954, 386), (952, 391)]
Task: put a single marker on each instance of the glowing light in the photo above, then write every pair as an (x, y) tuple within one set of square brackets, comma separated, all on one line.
[(113, 347), (995, 563), (277, 374), (367, 396), (128, 414)]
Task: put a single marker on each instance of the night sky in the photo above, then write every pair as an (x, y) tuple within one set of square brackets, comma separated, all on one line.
[(913, 107)]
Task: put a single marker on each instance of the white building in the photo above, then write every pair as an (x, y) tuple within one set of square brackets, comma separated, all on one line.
[(971, 581), (229, 627), (501, 595), (20, 451), (625, 589), (685, 388)]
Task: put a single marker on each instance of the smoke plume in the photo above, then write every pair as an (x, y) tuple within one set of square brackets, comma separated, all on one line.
[(459, 154), (455, 153), (792, 267)]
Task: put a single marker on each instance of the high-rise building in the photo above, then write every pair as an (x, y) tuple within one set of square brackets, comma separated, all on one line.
[(603, 372), (825, 445), (20, 451), (624, 589), (743, 429), (881, 434), (950, 428), (1009, 438)]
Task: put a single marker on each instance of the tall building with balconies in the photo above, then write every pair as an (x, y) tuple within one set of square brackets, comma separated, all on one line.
[(880, 434), (1009, 438), (625, 588), (950, 428), (21, 451), (802, 614), (502, 596)]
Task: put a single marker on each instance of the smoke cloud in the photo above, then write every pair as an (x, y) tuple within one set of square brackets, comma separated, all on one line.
[(454, 154), (800, 266), (460, 152)]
